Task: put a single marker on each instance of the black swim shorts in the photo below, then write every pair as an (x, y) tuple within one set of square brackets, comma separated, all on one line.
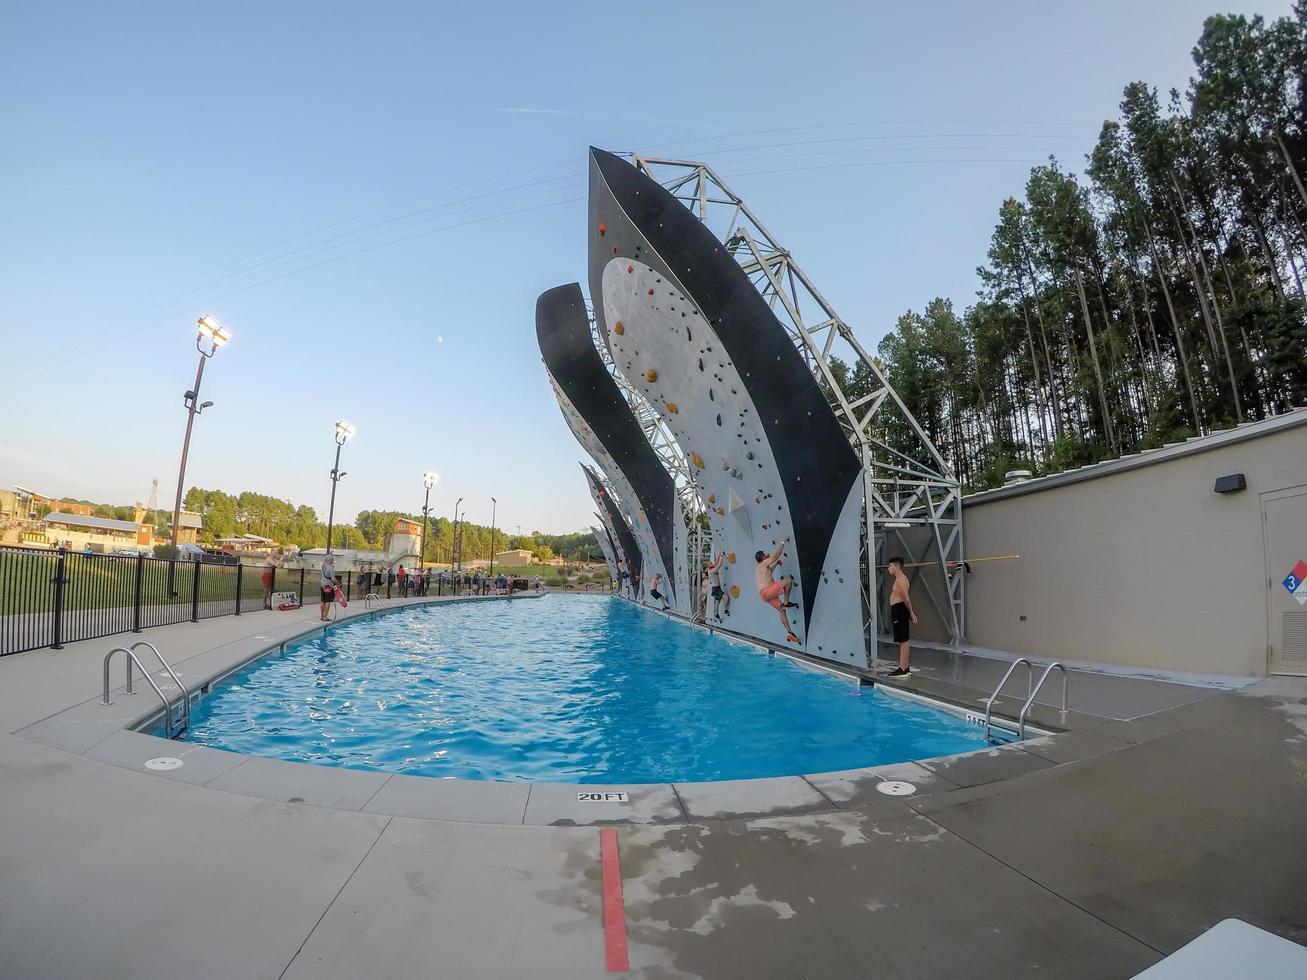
[(898, 617), (717, 592), (328, 594)]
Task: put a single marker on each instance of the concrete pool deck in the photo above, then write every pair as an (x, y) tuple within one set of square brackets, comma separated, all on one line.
[(1093, 853)]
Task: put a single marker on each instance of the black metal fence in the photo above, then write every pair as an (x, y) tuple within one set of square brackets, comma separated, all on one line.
[(49, 598)]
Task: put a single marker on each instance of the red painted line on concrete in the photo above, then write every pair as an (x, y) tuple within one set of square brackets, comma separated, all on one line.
[(614, 911)]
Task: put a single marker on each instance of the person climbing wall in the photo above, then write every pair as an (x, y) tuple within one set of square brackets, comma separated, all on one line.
[(775, 593), (721, 598)]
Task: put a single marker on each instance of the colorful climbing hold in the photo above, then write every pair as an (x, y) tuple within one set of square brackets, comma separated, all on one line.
[(735, 591), (630, 268), (650, 290), (671, 407), (712, 498), (731, 558), (651, 375), (618, 328), (603, 228), (697, 460)]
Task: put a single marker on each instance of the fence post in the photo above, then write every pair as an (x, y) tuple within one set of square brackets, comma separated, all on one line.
[(301, 587), (136, 599), (240, 568), (59, 601), (195, 595)]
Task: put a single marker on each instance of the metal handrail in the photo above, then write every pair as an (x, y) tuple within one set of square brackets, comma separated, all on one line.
[(167, 705), (370, 598), (989, 703), (1021, 721), (185, 713)]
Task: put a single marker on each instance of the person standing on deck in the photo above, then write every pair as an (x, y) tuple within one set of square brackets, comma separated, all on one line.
[(328, 585), (402, 576), (900, 614), (269, 570)]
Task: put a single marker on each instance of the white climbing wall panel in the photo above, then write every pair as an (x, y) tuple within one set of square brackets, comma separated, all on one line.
[(661, 343)]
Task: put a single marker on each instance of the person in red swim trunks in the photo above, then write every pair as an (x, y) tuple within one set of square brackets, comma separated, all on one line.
[(772, 592)]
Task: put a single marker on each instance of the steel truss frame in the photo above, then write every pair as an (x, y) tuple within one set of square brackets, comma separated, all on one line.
[(669, 453), (900, 491)]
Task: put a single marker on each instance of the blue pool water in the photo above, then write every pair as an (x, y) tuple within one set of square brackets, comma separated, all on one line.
[(565, 689)]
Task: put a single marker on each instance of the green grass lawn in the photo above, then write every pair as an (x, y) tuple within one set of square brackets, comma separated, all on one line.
[(107, 582), (102, 582)]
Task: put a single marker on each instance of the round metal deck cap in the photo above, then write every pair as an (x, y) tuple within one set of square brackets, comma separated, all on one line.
[(895, 787), (163, 764)]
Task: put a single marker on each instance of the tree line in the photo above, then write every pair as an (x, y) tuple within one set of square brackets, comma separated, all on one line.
[(226, 515), (1156, 296)]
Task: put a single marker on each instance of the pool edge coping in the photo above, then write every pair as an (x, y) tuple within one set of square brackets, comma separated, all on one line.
[(497, 802)]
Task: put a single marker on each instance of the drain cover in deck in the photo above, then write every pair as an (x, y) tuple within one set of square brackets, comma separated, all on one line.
[(895, 787), (163, 764)]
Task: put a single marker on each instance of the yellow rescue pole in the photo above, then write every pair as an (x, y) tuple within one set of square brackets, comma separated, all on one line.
[(954, 564)]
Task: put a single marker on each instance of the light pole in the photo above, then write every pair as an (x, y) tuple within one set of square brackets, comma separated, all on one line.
[(429, 480), (453, 542), (493, 504), (207, 331), (343, 432)]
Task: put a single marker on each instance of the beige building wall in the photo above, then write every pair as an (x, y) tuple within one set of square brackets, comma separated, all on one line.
[(1140, 567)]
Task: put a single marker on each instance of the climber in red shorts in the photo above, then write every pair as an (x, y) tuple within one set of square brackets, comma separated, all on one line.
[(772, 592)]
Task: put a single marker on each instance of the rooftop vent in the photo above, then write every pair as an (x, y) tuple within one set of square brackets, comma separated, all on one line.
[(1012, 477)]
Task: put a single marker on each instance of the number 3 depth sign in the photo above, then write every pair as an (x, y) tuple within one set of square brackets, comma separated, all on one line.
[(602, 798)]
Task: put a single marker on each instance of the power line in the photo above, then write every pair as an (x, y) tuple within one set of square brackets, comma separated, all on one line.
[(356, 234), (362, 233), (117, 338), (135, 310)]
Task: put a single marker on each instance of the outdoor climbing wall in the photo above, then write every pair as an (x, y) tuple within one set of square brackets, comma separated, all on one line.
[(604, 424), (616, 525), (688, 329), (605, 541)]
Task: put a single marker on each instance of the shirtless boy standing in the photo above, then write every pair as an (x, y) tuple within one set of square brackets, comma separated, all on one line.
[(900, 613), (775, 593)]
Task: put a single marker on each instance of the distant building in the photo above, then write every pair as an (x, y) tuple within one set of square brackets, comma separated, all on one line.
[(246, 544), (22, 504), (189, 528), (401, 549), (69, 507), (101, 534), (515, 556)]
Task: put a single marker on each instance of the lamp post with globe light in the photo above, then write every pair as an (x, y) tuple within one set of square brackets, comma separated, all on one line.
[(343, 433), (209, 336), (429, 480)]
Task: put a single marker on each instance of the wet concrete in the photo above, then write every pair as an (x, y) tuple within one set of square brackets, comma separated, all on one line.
[(1091, 854), (882, 893)]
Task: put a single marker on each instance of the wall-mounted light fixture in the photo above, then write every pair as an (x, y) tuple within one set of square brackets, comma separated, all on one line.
[(1231, 484)]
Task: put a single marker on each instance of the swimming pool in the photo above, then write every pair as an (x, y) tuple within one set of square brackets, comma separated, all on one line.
[(568, 689)]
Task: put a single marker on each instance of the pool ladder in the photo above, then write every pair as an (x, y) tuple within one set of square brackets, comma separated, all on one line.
[(1032, 692), (171, 728)]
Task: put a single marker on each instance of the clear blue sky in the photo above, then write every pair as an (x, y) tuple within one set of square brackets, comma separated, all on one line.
[(163, 160)]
